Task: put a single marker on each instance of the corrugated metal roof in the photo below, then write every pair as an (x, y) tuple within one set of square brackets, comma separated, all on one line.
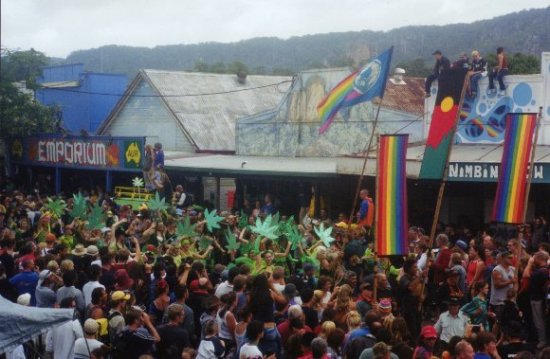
[(209, 118)]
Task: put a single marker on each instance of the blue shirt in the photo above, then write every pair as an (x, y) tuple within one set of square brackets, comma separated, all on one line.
[(363, 210), (482, 356), (25, 282)]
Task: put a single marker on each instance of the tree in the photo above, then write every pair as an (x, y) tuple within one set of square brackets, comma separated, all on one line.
[(524, 64), (22, 66), (21, 115), (237, 67)]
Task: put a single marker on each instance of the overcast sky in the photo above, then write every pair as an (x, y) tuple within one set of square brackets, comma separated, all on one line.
[(58, 27)]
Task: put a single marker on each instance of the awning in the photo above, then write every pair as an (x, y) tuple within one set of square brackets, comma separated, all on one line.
[(468, 163)]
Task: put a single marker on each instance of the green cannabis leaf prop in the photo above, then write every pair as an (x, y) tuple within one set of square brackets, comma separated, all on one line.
[(185, 228), (293, 235), (79, 206), (56, 207), (204, 242), (232, 244), (96, 218), (157, 204), (265, 228), (137, 182), (243, 220), (324, 234), (212, 220)]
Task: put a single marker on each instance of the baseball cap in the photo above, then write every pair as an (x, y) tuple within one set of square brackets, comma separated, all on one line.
[(119, 295), (428, 332), (91, 326)]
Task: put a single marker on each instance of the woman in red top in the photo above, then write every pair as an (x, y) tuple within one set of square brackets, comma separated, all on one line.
[(476, 266)]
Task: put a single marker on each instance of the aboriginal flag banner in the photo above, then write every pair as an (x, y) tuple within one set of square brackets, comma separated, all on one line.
[(509, 206), (391, 196), (442, 128)]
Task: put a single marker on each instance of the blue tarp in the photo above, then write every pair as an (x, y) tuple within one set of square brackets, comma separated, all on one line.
[(19, 324)]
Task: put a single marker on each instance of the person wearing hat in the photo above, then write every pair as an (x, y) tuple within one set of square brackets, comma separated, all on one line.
[(79, 251), (426, 342), (123, 280), (84, 346), (442, 64), (116, 314), (45, 296), (452, 322), (291, 294)]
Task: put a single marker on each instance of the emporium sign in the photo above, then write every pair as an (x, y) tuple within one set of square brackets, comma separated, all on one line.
[(488, 172), (80, 152)]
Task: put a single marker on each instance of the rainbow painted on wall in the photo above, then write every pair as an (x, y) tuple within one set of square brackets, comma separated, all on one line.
[(391, 189), (509, 205)]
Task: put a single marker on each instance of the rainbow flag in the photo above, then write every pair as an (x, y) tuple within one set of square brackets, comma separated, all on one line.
[(362, 85), (509, 203), (391, 196)]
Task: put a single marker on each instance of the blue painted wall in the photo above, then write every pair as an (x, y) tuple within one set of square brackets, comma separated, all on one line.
[(85, 100)]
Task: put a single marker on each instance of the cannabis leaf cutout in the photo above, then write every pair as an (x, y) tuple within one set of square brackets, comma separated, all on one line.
[(212, 220), (56, 207), (185, 228), (96, 218), (137, 182), (79, 206), (157, 204), (232, 244), (204, 242), (265, 228), (324, 234)]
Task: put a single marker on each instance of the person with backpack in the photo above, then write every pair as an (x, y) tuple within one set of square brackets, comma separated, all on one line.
[(116, 314), (137, 338)]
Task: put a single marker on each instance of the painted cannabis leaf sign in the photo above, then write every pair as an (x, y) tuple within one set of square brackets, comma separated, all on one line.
[(185, 228), (157, 204), (324, 234), (212, 220), (80, 206), (96, 218), (56, 207), (231, 238)]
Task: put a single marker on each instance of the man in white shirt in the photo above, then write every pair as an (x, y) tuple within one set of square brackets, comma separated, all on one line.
[(254, 332), (60, 340), (452, 322), (93, 283), (83, 347), (227, 286)]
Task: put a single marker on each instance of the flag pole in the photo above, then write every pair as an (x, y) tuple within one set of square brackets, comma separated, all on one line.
[(367, 149), (446, 170), (531, 165), (444, 180), (375, 283)]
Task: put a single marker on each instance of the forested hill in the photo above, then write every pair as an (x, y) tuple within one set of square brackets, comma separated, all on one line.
[(527, 32)]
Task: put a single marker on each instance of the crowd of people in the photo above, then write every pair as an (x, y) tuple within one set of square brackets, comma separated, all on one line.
[(185, 282), (477, 69)]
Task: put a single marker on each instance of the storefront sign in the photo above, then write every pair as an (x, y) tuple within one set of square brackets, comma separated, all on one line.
[(80, 152), (488, 172)]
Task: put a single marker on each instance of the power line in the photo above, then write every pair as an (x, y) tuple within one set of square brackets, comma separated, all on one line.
[(277, 84)]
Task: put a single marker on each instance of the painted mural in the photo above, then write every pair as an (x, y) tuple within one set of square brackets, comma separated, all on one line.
[(482, 119), (292, 129)]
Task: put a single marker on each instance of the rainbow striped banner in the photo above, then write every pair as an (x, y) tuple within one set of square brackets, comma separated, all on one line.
[(363, 85), (509, 203), (391, 196)]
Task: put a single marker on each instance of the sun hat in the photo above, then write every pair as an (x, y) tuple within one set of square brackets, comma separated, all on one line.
[(119, 295), (92, 250), (79, 250)]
